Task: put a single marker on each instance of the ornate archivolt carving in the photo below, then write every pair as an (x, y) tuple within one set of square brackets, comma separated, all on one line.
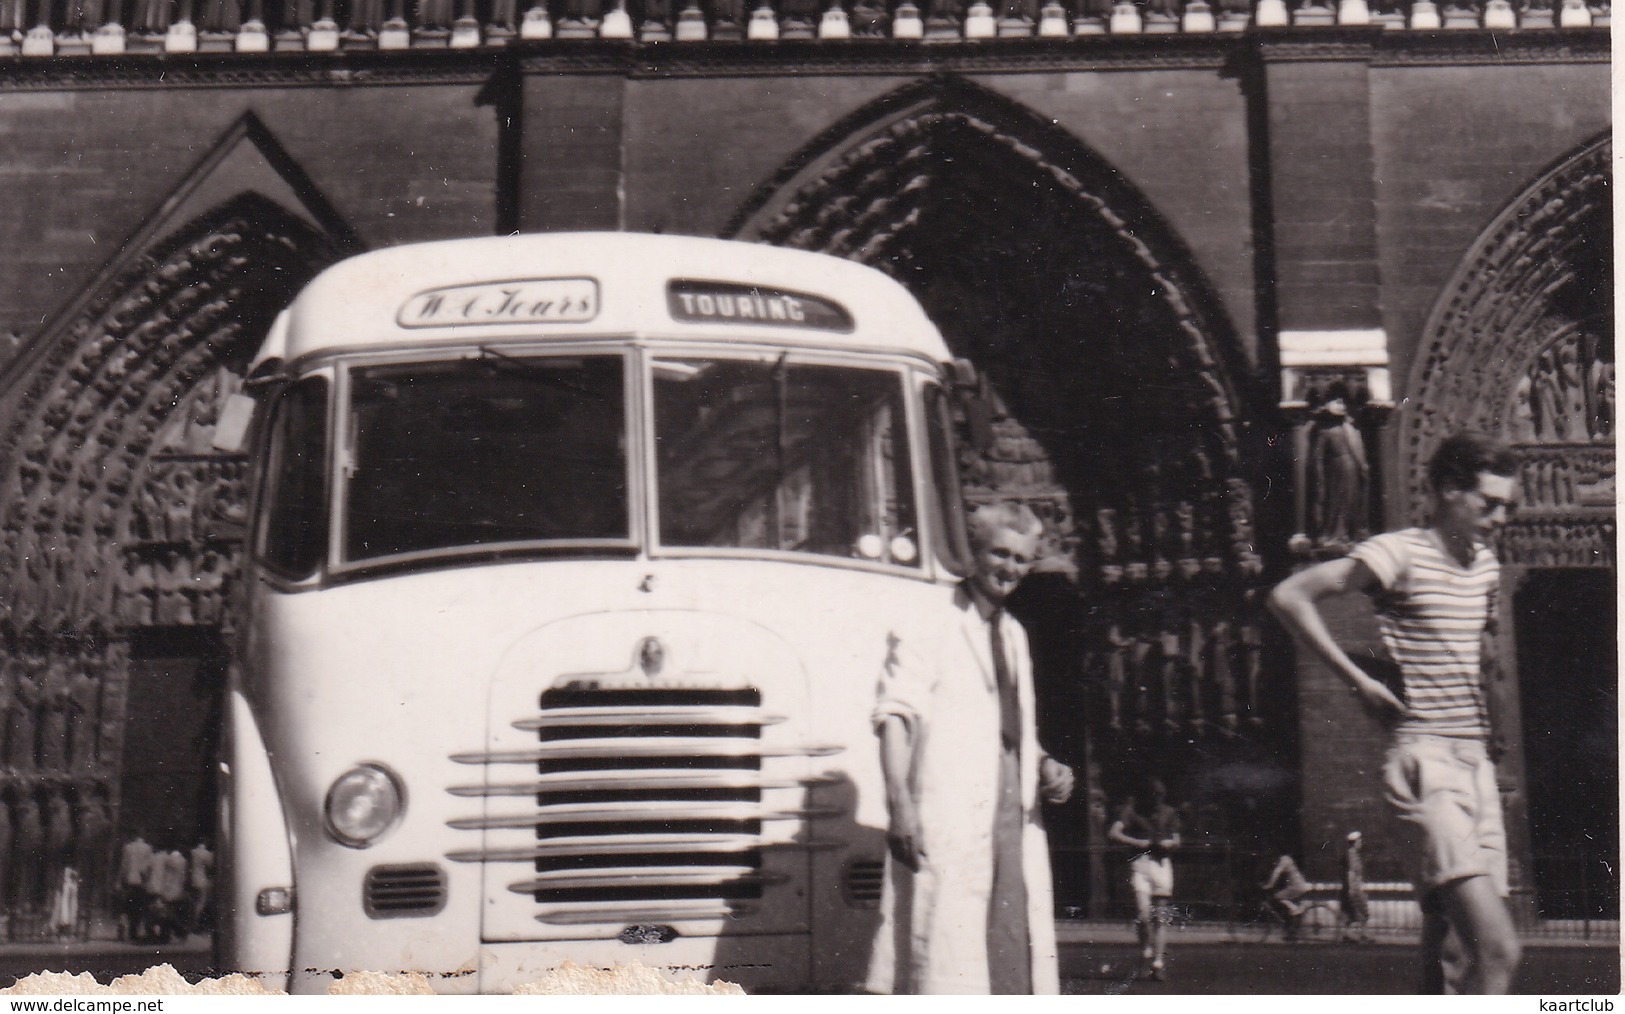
[(119, 516), (863, 206), (124, 395), (1164, 552), (1521, 345)]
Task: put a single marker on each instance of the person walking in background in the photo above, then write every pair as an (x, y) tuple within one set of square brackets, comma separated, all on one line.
[(1435, 589), (135, 861), (199, 886), (166, 894), (1151, 872), (65, 905), (1352, 899), (967, 904)]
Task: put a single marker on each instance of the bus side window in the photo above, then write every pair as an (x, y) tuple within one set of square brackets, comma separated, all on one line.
[(292, 527), (952, 543)]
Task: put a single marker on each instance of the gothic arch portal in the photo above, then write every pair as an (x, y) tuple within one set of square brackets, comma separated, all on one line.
[(1521, 345), (1125, 408), (122, 527)]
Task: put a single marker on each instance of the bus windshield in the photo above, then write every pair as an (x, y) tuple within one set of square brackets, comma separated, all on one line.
[(751, 453), (779, 455), (481, 451)]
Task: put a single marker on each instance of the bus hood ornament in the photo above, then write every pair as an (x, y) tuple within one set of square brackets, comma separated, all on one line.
[(651, 656)]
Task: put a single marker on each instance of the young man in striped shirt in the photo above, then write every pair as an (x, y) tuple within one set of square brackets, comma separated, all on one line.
[(1435, 589)]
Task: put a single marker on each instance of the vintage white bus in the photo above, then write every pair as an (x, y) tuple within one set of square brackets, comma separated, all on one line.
[(573, 559)]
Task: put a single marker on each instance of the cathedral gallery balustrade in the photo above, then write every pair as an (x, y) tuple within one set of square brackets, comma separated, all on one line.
[(44, 28)]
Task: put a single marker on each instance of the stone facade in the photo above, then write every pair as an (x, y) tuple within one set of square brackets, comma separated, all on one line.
[(1169, 248)]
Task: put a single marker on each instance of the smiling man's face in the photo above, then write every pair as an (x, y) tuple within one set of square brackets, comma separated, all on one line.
[(1002, 560)]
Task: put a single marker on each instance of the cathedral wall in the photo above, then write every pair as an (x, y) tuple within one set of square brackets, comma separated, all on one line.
[(1453, 146), (85, 169)]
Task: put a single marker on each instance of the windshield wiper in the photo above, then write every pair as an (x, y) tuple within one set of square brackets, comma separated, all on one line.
[(781, 399), (526, 367)]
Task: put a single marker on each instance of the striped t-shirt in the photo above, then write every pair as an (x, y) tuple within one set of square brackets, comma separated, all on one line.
[(1432, 612)]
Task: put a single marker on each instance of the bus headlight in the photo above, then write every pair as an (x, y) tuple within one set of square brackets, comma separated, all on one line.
[(363, 803)]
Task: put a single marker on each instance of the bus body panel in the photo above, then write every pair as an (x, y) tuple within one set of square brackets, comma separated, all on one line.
[(256, 838), (808, 637)]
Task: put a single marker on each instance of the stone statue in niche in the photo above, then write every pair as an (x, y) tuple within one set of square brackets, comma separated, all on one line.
[(53, 715), (1567, 395), (1139, 627), (1239, 510), (91, 849), (1173, 620), (1339, 475), (178, 508), (1211, 601), (58, 837), (1548, 398), (27, 691), (1106, 663), (147, 520), (208, 583), (84, 719), (174, 576), (137, 592), (1194, 639), (1250, 630), (28, 841)]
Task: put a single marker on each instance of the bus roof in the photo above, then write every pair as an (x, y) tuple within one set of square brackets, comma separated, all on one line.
[(583, 284)]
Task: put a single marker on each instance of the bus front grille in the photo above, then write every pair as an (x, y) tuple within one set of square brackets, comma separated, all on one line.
[(648, 803)]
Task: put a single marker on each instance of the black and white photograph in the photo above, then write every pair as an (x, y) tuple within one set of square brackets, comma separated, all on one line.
[(1095, 497)]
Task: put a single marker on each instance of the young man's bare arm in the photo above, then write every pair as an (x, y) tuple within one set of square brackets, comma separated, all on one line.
[(1120, 835), (1295, 602)]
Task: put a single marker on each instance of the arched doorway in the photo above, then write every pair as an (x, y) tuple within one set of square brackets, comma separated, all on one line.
[(122, 533), (1521, 345), (1124, 410)]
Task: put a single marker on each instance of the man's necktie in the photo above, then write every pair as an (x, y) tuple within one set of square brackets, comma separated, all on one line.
[(1009, 704)]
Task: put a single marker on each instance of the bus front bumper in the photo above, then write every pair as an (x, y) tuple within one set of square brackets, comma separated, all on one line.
[(757, 962)]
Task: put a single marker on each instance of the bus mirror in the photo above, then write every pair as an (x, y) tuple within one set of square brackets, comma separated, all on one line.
[(975, 402), (962, 373), (231, 431), (978, 419)]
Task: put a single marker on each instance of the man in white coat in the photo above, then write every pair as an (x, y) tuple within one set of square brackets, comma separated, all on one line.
[(967, 906)]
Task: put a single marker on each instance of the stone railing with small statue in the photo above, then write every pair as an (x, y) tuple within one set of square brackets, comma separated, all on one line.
[(48, 28)]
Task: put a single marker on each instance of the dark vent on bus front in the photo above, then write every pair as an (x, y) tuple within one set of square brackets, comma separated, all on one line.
[(863, 881), (398, 892)]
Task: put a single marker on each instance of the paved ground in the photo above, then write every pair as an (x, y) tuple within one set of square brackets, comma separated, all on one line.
[(1337, 969), (1094, 960)]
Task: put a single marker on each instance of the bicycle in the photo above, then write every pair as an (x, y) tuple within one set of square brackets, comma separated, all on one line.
[(1318, 922)]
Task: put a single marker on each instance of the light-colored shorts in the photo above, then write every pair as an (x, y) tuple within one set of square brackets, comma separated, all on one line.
[(1151, 878), (1444, 792)]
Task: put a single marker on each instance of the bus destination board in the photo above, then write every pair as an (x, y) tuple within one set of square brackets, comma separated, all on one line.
[(727, 303), (521, 301)]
